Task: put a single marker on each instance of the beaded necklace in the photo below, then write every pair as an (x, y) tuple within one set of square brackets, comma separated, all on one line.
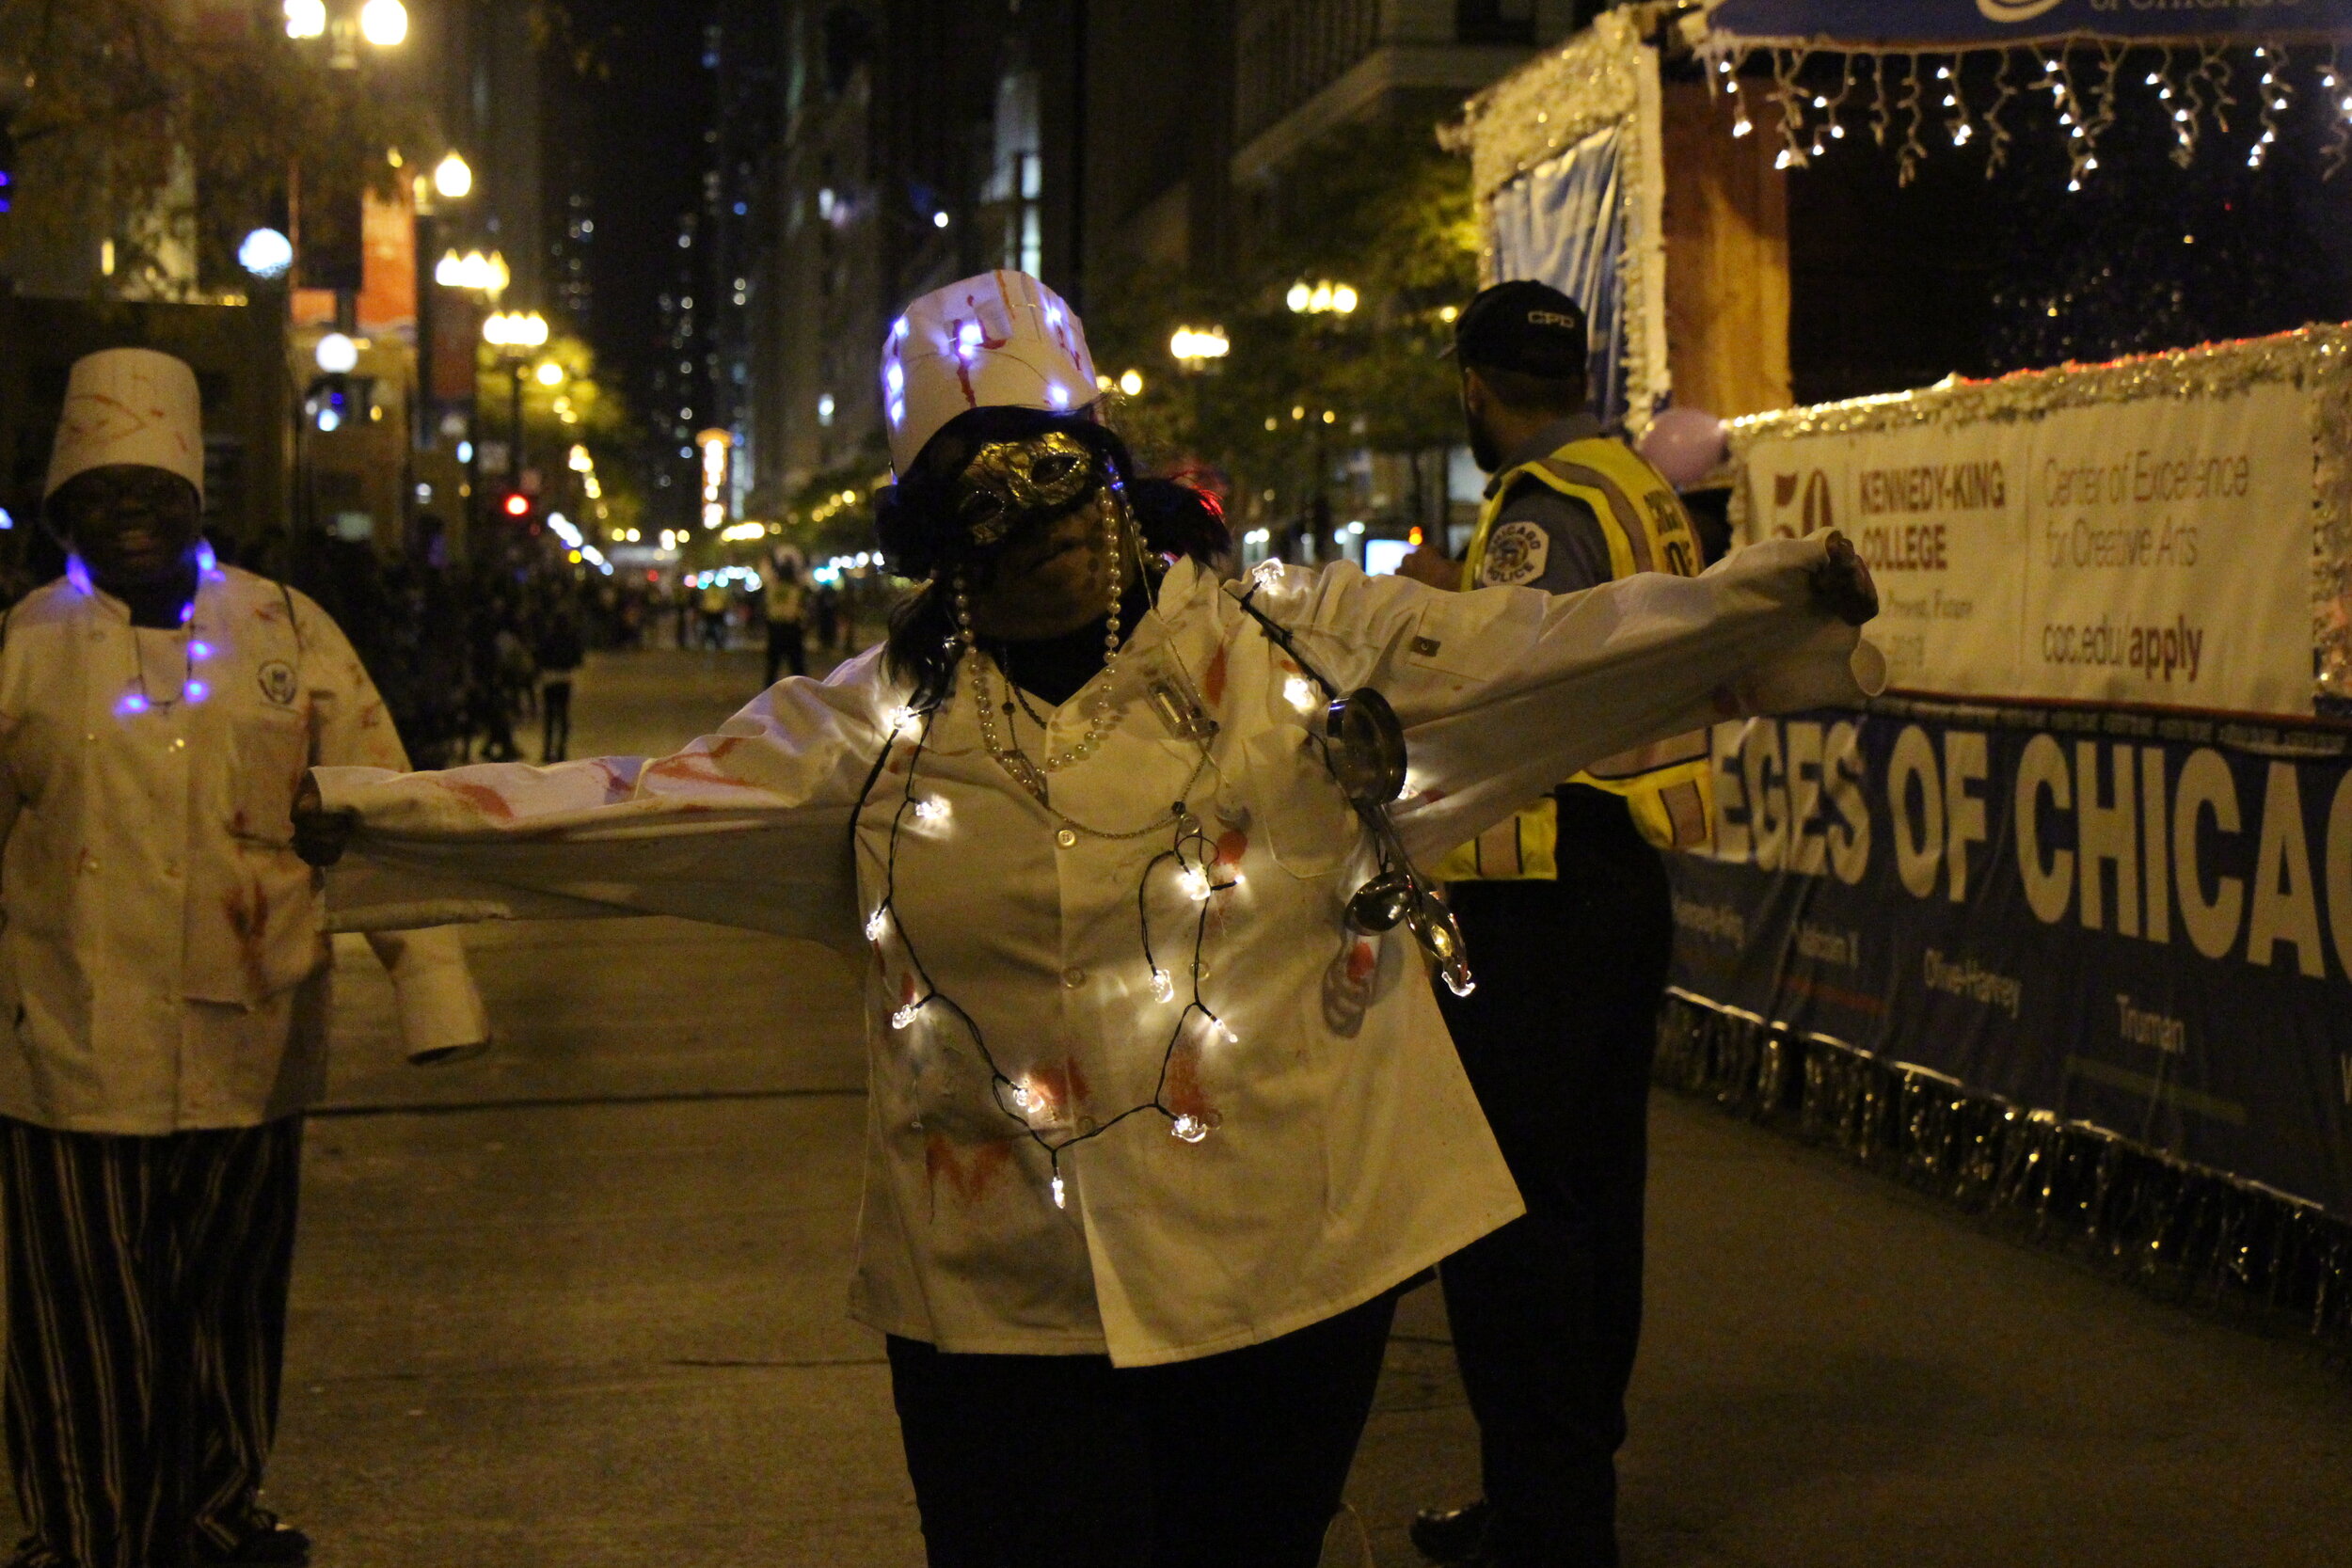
[(1030, 773)]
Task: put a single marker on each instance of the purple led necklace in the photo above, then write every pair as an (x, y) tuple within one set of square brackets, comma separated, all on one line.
[(191, 689)]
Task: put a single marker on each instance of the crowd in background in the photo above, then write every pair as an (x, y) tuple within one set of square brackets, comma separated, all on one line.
[(471, 659)]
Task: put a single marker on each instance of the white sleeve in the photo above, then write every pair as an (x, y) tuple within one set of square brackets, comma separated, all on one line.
[(747, 827), (1506, 691)]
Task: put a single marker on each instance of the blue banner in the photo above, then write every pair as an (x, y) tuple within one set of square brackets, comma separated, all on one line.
[(2139, 921), (1563, 223), (1901, 25)]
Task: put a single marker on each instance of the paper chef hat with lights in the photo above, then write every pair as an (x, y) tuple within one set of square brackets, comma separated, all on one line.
[(1002, 340), (128, 405)]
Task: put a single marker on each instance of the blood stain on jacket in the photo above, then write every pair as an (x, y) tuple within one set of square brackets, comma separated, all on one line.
[(1185, 1095), (970, 1181), (247, 912), (1062, 1088), (703, 766), (481, 797)]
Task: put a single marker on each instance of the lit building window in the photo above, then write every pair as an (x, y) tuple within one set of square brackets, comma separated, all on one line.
[(1016, 185)]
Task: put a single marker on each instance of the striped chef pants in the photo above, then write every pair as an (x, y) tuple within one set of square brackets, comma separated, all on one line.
[(146, 1327)]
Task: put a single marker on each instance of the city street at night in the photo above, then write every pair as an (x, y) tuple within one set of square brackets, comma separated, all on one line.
[(1524, 783), (580, 1305)]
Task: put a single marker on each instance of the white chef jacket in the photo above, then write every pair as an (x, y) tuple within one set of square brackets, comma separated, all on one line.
[(1348, 1151), (164, 957)]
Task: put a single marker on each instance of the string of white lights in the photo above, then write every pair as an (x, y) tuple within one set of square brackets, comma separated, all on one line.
[(2005, 91), (1201, 876), (1914, 149)]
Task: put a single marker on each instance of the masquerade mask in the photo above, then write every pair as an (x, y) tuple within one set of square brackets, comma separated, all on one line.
[(1007, 481)]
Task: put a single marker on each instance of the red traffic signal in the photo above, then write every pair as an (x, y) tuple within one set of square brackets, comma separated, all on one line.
[(517, 505)]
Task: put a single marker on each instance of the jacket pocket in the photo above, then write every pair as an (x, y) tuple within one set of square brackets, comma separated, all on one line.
[(1310, 829), (269, 753)]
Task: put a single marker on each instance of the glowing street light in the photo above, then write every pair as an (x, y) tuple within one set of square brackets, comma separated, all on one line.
[(265, 253), (1132, 383), (1192, 345), (384, 23), (1325, 298), (515, 330), (453, 177), (550, 375), (337, 354), (482, 274), (306, 19)]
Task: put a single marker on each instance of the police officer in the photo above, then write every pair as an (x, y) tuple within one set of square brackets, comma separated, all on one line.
[(1567, 912)]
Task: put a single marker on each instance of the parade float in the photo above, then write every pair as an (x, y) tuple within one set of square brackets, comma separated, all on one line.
[(2061, 926)]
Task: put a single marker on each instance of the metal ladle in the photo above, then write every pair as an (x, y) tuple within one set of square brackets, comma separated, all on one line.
[(1364, 745)]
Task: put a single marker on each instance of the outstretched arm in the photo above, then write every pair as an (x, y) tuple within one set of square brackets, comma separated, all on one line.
[(1506, 691), (747, 827)]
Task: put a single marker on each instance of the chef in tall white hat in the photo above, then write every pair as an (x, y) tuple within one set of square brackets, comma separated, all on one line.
[(164, 959), (1163, 1112)]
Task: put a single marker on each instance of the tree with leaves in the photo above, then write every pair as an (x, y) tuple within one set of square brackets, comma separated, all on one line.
[(176, 126), (581, 408), (1381, 209)]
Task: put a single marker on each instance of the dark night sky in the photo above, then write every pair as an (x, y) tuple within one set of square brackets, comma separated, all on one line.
[(629, 133)]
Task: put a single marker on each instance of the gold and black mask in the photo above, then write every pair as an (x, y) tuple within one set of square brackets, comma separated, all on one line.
[(1008, 483)]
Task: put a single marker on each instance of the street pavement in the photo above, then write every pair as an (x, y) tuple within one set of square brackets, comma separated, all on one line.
[(581, 1303)]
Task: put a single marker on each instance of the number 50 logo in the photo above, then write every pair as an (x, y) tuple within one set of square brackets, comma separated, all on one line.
[(1801, 504)]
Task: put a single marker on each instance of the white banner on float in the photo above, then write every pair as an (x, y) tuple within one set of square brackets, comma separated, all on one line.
[(2155, 553)]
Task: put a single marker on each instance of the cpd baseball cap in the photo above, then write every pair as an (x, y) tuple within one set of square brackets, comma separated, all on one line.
[(1526, 326)]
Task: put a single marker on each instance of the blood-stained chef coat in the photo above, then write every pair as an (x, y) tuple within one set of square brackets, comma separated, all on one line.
[(1347, 1150), (164, 957)]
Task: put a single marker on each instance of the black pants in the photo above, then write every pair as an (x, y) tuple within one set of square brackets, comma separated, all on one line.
[(785, 646), (1232, 1460), (147, 1328), (555, 710), (1557, 1040)]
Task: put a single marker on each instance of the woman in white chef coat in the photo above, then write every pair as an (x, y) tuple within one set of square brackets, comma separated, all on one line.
[(1161, 1108)]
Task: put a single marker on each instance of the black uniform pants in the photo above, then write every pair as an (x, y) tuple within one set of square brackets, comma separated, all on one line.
[(1231, 1461), (787, 646), (1557, 1040), (147, 1328), (555, 707)]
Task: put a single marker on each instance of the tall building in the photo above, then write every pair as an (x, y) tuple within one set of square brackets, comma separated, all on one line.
[(914, 142), (897, 144), (1310, 67)]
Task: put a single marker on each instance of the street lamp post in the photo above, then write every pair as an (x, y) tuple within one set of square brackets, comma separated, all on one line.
[(439, 198), (1195, 350), (514, 334)]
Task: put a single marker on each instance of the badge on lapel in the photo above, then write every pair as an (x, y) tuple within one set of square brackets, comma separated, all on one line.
[(278, 683)]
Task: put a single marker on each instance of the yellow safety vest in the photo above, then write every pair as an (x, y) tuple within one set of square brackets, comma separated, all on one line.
[(1667, 784)]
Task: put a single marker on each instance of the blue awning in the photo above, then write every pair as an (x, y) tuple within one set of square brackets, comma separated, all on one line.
[(1903, 26)]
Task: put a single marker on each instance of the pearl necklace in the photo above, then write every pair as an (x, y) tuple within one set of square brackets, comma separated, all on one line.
[(1103, 711)]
